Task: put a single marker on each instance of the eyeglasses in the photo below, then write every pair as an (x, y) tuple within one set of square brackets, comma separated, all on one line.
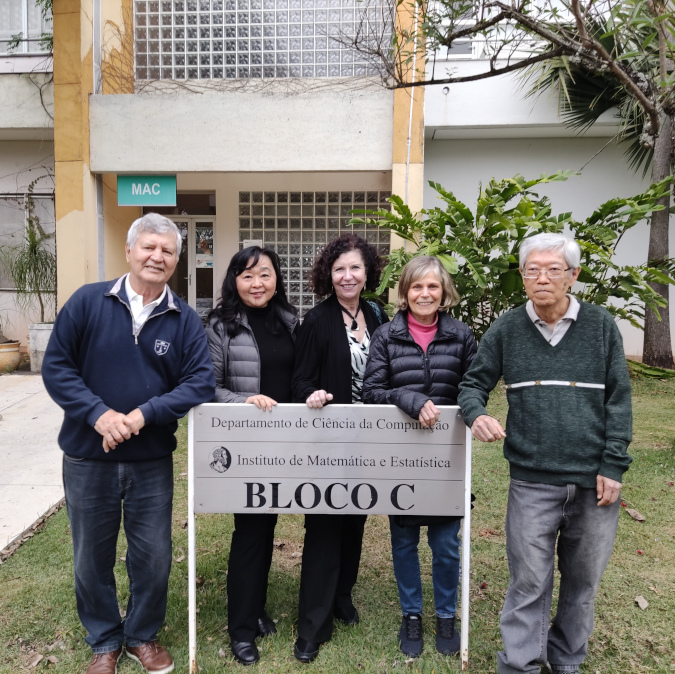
[(551, 272)]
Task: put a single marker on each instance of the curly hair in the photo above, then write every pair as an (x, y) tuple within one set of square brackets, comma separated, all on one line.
[(230, 308), (320, 276)]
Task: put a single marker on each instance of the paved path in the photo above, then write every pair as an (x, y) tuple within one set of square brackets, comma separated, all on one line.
[(30, 458)]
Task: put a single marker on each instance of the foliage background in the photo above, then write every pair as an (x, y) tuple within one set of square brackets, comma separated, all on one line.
[(479, 247)]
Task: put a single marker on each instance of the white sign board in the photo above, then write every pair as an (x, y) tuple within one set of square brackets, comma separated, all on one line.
[(351, 459), (358, 459)]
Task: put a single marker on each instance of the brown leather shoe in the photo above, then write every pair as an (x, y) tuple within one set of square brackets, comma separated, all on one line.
[(105, 663), (154, 658)]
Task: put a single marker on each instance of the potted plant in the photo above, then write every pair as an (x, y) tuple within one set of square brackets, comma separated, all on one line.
[(32, 268), (10, 356)]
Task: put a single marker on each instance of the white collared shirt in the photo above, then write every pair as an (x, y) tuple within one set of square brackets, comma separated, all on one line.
[(139, 311), (553, 336)]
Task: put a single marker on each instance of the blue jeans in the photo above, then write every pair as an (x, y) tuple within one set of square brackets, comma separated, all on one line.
[(539, 516), (96, 494), (444, 544)]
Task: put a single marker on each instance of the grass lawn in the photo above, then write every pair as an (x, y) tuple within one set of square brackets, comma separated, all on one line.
[(37, 601)]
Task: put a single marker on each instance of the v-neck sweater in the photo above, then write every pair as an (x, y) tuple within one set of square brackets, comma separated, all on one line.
[(569, 415)]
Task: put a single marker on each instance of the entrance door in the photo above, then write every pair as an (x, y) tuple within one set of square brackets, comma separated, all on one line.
[(193, 279)]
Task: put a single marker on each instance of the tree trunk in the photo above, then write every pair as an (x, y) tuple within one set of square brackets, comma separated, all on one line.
[(657, 349)]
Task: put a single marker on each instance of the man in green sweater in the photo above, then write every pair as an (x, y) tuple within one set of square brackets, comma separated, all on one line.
[(568, 429)]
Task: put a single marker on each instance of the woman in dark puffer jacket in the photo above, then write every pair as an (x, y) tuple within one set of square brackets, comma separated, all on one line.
[(251, 336), (417, 362)]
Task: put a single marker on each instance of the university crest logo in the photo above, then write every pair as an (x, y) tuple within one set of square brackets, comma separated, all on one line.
[(222, 459), (161, 347)]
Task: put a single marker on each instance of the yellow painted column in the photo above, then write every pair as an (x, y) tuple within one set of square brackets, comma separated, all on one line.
[(407, 180), (76, 229)]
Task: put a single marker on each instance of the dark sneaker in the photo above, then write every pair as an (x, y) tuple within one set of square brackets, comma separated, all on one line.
[(447, 638), (410, 635), (105, 663), (154, 659)]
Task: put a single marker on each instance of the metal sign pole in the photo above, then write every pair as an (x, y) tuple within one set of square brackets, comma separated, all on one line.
[(192, 550), (466, 556)]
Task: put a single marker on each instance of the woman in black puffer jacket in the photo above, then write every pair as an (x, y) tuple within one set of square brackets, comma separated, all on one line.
[(417, 362)]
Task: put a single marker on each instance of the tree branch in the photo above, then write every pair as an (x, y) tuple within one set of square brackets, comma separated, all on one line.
[(493, 72)]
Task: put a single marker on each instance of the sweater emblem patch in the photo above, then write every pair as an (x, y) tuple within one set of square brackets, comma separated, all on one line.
[(161, 347)]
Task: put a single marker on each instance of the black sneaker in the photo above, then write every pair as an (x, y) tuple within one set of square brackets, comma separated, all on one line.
[(447, 638), (410, 635)]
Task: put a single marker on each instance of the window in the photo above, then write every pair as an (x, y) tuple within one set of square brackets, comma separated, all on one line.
[(297, 225), (24, 17), (241, 39), (14, 210)]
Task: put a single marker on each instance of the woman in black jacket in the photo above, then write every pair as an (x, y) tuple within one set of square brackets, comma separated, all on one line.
[(332, 349), (417, 362), (251, 335)]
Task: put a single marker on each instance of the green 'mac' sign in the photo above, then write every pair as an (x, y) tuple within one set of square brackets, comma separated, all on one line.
[(146, 190)]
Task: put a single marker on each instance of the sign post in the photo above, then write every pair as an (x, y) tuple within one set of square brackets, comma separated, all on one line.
[(348, 459)]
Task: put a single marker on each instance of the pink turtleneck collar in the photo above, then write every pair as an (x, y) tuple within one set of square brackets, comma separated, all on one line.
[(422, 334)]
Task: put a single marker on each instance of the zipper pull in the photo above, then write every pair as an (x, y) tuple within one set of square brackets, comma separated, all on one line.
[(136, 338)]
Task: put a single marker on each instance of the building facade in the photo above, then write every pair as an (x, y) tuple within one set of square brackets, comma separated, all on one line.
[(274, 130)]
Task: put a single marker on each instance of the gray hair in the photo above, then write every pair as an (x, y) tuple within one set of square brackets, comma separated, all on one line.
[(551, 243), (156, 224), (419, 267)]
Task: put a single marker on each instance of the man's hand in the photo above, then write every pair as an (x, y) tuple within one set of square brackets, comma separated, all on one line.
[(264, 403), (135, 421), (114, 429), (607, 490), (487, 428), (319, 398), (429, 414)]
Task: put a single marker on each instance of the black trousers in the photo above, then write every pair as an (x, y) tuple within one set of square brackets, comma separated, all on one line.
[(330, 566), (247, 572)]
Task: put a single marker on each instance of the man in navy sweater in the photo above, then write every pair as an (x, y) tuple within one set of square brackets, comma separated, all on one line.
[(126, 360), (566, 440)]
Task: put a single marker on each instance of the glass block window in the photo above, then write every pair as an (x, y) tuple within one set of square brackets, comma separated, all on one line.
[(299, 224), (240, 39)]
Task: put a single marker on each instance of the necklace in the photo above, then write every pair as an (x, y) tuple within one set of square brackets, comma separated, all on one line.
[(354, 326)]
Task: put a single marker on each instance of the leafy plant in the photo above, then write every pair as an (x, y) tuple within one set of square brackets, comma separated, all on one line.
[(32, 265), (480, 250)]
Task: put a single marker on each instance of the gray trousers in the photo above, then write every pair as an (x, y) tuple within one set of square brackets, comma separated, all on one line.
[(538, 516)]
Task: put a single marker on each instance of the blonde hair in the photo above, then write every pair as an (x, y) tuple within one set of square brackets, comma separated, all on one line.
[(419, 267)]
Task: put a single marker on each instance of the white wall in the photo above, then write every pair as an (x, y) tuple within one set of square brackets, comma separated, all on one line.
[(460, 165), (24, 114), (495, 107), (21, 162), (267, 130)]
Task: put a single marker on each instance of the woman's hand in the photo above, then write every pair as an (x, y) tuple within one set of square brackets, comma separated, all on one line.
[(264, 403), (429, 414), (487, 428), (319, 398)]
